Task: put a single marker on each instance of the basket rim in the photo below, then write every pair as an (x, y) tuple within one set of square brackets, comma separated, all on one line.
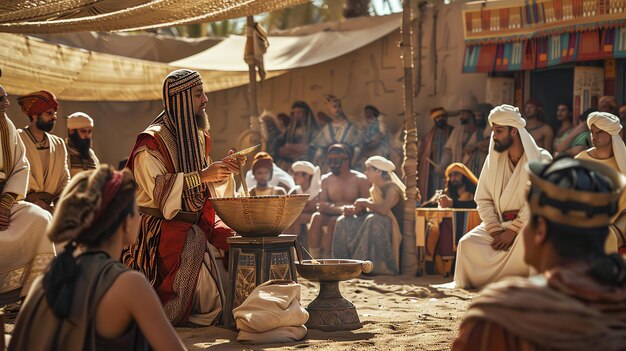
[(259, 197)]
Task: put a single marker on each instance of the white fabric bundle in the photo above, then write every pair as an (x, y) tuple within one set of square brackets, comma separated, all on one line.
[(271, 314), (610, 124)]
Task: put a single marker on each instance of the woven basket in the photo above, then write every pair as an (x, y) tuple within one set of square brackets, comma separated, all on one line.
[(260, 215)]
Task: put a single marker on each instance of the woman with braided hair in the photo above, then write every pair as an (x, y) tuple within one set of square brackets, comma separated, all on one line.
[(83, 300), (578, 299)]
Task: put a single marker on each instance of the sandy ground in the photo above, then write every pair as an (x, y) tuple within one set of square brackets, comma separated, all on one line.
[(398, 313)]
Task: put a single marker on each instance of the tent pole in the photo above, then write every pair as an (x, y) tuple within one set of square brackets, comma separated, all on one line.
[(252, 89), (409, 255)]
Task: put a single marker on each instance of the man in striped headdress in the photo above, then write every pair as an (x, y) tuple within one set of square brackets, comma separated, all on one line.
[(175, 179)]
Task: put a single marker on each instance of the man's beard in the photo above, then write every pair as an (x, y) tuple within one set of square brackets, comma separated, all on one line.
[(43, 126), (454, 184), (335, 166), (202, 121), (502, 147), (441, 124), (83, 145)]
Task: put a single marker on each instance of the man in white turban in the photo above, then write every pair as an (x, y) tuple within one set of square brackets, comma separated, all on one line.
[(369, 230), (493, 250), (609, 149), (81, 156)]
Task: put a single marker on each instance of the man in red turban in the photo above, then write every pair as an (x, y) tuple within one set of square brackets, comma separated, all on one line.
[(46, 153)]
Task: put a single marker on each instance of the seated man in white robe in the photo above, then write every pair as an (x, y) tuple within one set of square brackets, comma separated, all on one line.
[(25, 251), (46, 153), (493, 250)]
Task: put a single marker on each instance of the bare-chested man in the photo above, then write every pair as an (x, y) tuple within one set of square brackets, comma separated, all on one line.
[(341, 187), (538, 129)]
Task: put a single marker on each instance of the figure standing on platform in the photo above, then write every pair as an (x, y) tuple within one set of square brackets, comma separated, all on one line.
[(339, 131), (493, 250)]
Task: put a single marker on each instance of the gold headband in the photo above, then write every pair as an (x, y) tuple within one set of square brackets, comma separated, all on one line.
[(575, 217)]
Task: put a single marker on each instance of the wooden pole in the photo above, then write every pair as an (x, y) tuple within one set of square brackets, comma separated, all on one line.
[(409, 257), (252, 88)]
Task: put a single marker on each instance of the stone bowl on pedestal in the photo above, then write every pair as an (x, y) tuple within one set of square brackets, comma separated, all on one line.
[(259, 215), (330, 311)]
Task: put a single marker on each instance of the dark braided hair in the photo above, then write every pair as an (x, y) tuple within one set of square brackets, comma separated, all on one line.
[(75, 221)]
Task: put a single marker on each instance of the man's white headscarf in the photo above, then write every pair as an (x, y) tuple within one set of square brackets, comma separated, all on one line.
[(507, 115), (307, 167), (78, 120), (385, 165), (610, 124)]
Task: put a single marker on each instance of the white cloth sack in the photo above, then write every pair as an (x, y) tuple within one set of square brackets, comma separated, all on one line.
[(272, 313)]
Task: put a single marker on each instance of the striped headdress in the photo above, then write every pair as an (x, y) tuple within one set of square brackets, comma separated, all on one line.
[(179, 119)]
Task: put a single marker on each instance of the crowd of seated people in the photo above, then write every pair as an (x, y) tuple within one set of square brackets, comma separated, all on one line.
[(451, 160)]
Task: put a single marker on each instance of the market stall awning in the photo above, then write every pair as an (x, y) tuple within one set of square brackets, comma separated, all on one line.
[(56, 16), (510, 35), (30, 64), (289, 52)]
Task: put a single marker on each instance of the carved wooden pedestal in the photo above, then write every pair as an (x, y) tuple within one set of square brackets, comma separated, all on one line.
[(253, 261), (330, 311)]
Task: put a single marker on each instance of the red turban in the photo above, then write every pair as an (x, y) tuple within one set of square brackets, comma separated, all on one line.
[(38, 102)]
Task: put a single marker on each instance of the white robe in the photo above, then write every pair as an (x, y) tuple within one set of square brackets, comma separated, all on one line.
[(25, 251), (477, 263), (52, 176)]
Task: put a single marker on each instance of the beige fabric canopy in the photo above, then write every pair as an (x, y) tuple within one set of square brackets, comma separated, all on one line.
[(289, 52), (30, 64), (56, 16)]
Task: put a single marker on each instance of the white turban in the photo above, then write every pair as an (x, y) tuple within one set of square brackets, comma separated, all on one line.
[(610, 124), (507, 115), (307, 167), (385, 165), (78, 120)]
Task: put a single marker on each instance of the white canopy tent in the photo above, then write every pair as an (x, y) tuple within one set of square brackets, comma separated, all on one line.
[(290, 52)]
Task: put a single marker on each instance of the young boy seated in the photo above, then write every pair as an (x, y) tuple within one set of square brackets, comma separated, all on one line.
[(262, 169)]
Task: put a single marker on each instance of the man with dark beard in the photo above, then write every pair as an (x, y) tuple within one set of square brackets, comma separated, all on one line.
[(340, 188), (45, 152), (180, 235), (81, 155), (493, 250), (460, 187), (431, 152)]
